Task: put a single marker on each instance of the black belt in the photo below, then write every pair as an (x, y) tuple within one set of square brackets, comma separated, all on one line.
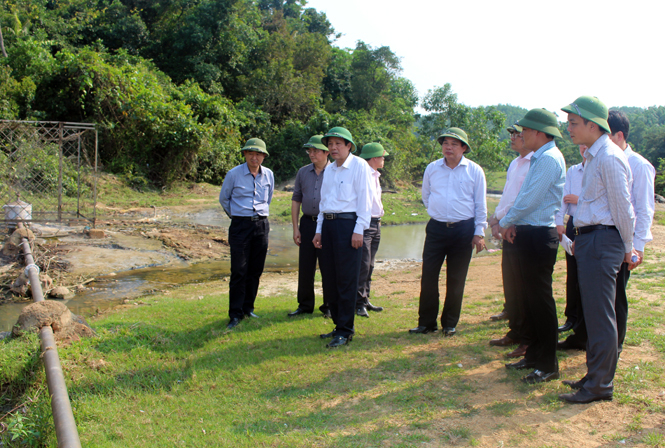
[(587, 229), (249, 218), (310, 217), (350, 215), (456, 224), (375, 220)]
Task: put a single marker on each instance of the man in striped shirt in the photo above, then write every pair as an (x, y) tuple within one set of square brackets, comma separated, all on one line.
[(604, 225)]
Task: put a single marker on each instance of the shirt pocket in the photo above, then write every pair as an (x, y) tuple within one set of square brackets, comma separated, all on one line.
[(262, 187), (345, 192)]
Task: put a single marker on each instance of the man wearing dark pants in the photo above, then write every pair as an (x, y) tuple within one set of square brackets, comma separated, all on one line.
[(344, 214), (604, 226), (530, 225), (307, 194), (454, 191), (245, 197), (374, 154), (514, 305), (574, 318)]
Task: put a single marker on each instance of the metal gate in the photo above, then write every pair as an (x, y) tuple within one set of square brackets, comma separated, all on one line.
[(48, 171)]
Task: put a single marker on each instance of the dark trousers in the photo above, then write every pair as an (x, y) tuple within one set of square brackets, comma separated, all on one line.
[(515, 299), (249, 246), (573, 311), (599, 257), (441, 243), (536, 252), (340, 267), (307, 258), (579, 336), (371, 240)]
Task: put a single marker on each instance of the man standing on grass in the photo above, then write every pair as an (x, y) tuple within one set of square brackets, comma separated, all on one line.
[(604, 227), (245, 197), (642, 198), (529, 225), (454, 190), (307, 194), (344, 215), (374, 154), (515, 305)]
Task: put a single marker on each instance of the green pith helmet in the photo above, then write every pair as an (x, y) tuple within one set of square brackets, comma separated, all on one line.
[(514, 128), (315, 142), (458, 134), (255, 144), (341, 133), (371, 150), (541, 120), (590, 108)]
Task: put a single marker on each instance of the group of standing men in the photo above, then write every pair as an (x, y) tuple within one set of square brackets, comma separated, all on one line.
[(340, 228)]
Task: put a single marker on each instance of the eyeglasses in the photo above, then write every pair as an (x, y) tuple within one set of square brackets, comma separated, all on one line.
[(312, 150), (514, 135)]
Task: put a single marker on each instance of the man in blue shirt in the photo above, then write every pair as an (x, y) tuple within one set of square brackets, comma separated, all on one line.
[(530, 226), (245, 197)]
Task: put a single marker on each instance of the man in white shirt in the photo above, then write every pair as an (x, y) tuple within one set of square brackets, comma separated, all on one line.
[(604, 227), (514, 306), (344, 213), (375, 155), (574, 318), (454, 190)]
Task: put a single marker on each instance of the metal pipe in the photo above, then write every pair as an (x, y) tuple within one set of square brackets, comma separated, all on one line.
[(63, 417)]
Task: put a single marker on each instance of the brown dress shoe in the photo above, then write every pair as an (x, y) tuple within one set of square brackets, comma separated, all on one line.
[(518, 352), (503, 342), (501, 316)]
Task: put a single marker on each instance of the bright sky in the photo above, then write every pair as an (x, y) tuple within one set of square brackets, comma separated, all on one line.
[(529, 54)]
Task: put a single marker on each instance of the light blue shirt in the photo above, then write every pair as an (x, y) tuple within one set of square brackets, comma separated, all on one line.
[(540, 197), (243, 194)]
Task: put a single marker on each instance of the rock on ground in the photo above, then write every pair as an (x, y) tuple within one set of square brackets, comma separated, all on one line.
[(66, 325)]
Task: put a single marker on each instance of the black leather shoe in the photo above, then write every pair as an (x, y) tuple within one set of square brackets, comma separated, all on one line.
[(537, 377), (577, 385), (423, 330), (362, 311), (233, 323), (327, 335), (326, 314), (567, 345), (298, 312), (583, 397), (566, 327), (252, 315), (338, 341), (371, 307), (501, 316), (449, 331), (520, 365)]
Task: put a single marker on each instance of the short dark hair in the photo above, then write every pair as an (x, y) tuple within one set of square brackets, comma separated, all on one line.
[(618, 121)]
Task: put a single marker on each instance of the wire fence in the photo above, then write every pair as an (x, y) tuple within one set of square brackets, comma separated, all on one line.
[(48, 171)]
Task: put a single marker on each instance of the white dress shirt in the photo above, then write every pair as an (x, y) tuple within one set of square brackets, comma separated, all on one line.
[(458, 194), (347, 189), (514, 179), (642, 197), (573, 185), (377, 205), (606, 186)]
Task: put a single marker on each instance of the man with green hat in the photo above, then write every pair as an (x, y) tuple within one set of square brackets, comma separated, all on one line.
[(344, 214), (514, 309), (245, 197), (604, 227), (375, 155), (307, 195), (453, 191), (530, 225)]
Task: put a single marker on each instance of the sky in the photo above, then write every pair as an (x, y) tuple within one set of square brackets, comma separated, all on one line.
[(529, 54)]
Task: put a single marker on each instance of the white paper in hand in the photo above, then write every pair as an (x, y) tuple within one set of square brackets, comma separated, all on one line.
[(567, 244)]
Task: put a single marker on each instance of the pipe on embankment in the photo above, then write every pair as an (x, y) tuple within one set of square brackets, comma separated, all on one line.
[(63, 417)]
